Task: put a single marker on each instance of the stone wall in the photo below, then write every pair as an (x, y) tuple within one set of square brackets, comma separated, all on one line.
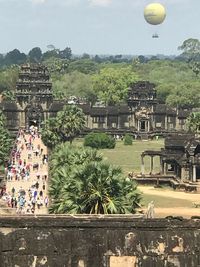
[(98, 241)]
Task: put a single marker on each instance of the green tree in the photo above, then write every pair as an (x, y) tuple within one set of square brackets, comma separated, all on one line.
[(86, 66), (67, 124), (67, 156), (86, 185), (56, 66), (66, 53), (185, 95), (50, 133), (193, 122), (35, 54), (15, 57), (74, 84), (5, 140), (8, 79), (52, 52), (195, 66), (190, 48), (71, 121), (99, 140), (111, 84), (128, 139)]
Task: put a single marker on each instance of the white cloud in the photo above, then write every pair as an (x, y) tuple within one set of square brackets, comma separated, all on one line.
[(100, 2)]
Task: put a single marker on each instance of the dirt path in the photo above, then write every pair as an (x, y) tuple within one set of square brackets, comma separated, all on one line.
[(29, 156), (173, 211), (170, 193)]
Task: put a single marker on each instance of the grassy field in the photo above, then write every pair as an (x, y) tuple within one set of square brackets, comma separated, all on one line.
[(128, 157)]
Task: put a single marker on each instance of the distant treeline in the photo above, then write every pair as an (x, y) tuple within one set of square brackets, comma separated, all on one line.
[(106, 78)]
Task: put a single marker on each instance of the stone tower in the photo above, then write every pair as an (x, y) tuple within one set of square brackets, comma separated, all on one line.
[(142, 101), (33, 95)]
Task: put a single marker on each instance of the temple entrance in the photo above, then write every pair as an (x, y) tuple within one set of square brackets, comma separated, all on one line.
[(198, 172), (143, 125), (34, 123), (34, 116)]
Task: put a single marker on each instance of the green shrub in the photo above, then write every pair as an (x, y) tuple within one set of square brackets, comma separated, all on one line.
[(99, 140), (128, 139)]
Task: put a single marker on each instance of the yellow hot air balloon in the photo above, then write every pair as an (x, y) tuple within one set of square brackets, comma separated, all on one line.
[(154, 13)]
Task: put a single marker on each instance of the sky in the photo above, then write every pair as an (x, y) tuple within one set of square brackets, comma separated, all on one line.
[(96, 26)]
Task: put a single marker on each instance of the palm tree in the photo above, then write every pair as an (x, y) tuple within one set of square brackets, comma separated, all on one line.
[(64, 127), (67, 156), (50, 134), (71, 121), (83, 184), (63, 160)]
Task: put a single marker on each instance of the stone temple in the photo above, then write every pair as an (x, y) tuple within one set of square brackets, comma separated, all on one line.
[(142, 116)]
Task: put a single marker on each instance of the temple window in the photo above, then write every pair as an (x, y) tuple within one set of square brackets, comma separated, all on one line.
[(98, 119)]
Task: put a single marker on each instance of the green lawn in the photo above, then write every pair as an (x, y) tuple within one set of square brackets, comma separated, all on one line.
[(128, 157)]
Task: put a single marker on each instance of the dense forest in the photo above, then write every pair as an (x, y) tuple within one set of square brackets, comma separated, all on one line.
[(107, 78)]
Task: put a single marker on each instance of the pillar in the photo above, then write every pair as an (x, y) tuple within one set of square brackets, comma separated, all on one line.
[(165, 168), (142, 164), (182, 173), (151, 165), (106, 122), (161, 166), (148, 126), (166, 122), (194, 178), (118, 122), (175, 170), (138, 125)]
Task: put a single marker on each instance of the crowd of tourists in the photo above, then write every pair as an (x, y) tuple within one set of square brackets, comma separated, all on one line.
[(26, 172)]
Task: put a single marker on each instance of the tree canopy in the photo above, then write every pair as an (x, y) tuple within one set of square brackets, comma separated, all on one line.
[(82, 183), (67, 124), (107, 78), (5, 140), (193, 122), (111, 84), (191, 49)]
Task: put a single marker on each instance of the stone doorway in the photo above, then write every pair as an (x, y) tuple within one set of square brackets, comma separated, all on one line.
[(143, 125), (34, 116), (34, 123), (198, 173)]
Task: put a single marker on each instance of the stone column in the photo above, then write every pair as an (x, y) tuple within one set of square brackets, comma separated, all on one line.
[(118, 122), (151, 165), (138, 122), (175, 170), (161, 166), (142, 165), (194, 178), (182, 173), (148, 126), (106, 122), (166, 168)]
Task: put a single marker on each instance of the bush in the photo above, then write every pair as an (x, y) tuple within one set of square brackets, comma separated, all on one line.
[(99, 140), (128, 139)]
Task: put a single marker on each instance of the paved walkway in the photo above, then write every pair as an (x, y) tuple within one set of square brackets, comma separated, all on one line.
[(27, 175)]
